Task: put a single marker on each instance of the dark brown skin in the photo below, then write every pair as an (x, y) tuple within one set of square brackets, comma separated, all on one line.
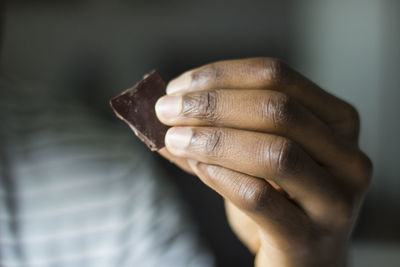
[(282, 152)]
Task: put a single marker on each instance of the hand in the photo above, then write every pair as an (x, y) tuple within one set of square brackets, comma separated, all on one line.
[(281, 151)]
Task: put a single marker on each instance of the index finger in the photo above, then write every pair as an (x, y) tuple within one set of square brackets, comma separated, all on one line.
[(271, 74)]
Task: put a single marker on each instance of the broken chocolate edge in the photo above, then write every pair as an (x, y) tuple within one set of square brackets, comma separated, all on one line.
[(151, 144)]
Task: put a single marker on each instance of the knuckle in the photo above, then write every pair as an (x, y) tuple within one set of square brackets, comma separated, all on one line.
[(255, 196), (352, 114), (352, 119), (342, 211), (213, 143), (275, 70), (201, 105), (286, 155), (205, 74), (280, 109), (363, 171)]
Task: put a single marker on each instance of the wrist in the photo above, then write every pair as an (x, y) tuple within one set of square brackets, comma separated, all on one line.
[(263, 260)]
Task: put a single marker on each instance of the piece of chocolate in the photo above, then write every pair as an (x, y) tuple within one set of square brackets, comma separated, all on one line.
[(135, 106)]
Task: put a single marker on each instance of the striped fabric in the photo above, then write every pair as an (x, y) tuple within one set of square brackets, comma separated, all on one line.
[(76, 192)]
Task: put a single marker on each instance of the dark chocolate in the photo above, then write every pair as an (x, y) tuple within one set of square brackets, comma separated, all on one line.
[(135, 106)]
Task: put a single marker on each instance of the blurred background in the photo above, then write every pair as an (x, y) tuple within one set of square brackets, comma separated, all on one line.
[(96, 48)]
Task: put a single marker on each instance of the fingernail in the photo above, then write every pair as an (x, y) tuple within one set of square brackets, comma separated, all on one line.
[(169, 107), (180, 84), (178, 139)]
